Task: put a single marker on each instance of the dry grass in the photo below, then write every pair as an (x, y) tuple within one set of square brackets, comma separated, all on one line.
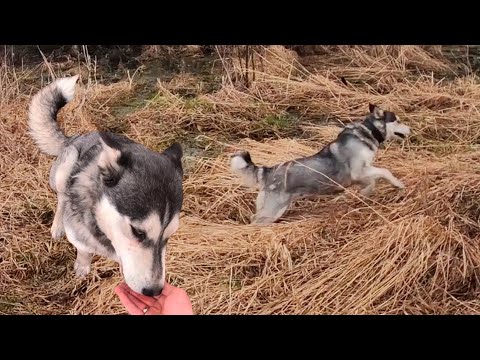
[(410, 252)]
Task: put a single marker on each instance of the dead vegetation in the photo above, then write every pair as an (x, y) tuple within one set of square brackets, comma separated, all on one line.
[(410, 252)]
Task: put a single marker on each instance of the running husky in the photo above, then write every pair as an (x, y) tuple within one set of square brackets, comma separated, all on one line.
[(116, 198), (344, 162)]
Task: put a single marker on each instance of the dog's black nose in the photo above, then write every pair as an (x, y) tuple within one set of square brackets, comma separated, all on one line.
[(152, 291)]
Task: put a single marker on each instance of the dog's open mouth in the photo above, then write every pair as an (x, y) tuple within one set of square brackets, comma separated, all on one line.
[(400, 135)]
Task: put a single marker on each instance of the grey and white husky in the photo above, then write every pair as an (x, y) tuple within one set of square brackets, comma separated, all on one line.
[(344, 162), (115, 198)]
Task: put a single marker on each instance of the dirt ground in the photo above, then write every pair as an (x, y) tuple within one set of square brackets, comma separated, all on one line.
[(398, 252)]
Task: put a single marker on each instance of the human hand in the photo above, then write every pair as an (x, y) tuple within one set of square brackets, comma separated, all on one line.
[(172, 301)]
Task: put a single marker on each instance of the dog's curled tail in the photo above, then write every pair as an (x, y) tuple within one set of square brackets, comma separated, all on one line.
[(42, 114), (242, 165)]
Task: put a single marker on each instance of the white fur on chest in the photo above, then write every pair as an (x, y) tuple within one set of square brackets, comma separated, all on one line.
[(91, 245)]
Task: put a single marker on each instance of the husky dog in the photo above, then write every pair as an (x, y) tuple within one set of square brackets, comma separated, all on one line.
[(115, 198), (344, 162)]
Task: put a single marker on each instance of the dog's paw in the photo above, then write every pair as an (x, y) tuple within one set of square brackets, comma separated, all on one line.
[(81, 270), (57, 231), (399, 185), (260, 221), (338, 198), (366, 192)]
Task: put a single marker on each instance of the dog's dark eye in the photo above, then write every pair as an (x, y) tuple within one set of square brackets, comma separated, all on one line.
[(140, 235)]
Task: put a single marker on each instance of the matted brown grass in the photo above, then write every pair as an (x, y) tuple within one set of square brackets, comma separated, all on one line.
[(410, 252)]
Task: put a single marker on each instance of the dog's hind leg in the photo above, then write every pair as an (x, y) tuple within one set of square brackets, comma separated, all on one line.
[(270, 207), (82, 263), (57, 229), (373, 173), (59, 176), (368, 186)]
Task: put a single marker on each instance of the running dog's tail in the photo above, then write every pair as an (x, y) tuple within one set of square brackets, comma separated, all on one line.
[(242, 165), (42, 114)]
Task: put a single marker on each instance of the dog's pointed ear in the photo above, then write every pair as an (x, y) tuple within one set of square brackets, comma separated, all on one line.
[(376, 111), (390, 117), (174, 152), (112, 160)]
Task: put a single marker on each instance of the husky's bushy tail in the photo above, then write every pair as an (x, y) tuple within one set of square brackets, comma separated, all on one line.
[(242, 165), (42, 114)]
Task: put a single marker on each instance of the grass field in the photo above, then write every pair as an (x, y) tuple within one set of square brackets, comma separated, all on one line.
[(411, 252)]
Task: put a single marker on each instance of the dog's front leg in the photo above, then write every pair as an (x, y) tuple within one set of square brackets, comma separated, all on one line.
[(82, 263), (373, 173)]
